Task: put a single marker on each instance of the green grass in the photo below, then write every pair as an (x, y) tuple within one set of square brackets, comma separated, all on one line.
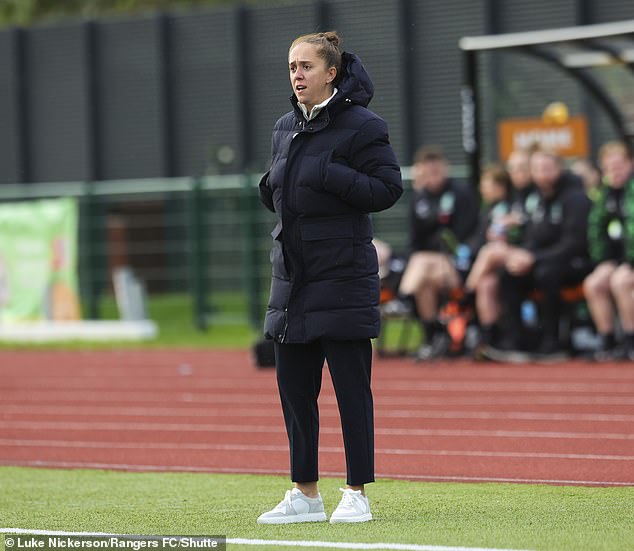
[(228, 326), (173, 314), (557, 518)]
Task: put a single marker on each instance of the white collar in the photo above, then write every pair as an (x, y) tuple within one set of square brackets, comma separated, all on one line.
[(316, 109)]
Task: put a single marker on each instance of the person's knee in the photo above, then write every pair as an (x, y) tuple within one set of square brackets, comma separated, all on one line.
[(429, 268), (621, 281), (445, 276), (492, 254), (419, 262), (415, 277), (595, 285)]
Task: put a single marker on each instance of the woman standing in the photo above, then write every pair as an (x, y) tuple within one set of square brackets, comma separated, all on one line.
[(332, 164)]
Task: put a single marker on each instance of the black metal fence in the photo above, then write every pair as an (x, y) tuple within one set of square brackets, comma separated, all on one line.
[(203, 237), (196, 92)]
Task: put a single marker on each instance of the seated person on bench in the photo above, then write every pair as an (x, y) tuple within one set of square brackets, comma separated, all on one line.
[(488, 247), (611, 244), (552, 254), (443, 214), (481, 287)]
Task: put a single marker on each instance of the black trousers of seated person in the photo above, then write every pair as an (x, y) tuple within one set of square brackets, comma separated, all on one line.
[(299, 371), (548, 278)]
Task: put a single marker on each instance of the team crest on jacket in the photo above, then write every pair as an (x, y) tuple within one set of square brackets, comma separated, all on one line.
[(556, 213), (531, 203), (447, 202), (423, 209), (615, 229)]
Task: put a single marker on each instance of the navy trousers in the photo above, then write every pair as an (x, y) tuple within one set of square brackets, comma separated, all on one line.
[(299, 370)]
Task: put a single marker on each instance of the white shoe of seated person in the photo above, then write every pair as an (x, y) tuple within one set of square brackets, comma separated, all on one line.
[(353, 507), (295, 507)]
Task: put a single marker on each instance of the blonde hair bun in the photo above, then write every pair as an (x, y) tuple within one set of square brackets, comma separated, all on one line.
[(332, 37)]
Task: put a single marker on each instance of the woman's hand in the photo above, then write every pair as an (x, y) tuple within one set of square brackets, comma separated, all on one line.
[(318, 170), (496, 233), (510, 220), (519, 261)]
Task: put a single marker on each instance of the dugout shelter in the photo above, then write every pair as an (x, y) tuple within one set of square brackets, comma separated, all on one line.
[(600, 58)]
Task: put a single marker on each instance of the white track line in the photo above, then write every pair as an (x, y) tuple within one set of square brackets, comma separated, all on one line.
[(284, 472), (69, 391), (277, 543), (284, 449), (512, 415), (50, 385), (266, 429), (187, 411), (111, 376), (388, 413), (387, 399)]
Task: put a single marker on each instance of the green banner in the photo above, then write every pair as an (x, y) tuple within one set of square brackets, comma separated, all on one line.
[(38, 261)]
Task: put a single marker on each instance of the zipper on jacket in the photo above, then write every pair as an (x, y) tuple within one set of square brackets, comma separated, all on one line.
[(286, 201), (283, 336)]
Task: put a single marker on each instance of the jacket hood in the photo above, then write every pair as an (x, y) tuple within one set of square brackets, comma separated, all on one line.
[(355, 83)]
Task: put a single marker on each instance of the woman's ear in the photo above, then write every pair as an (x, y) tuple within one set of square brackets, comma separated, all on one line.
[(332, 75)]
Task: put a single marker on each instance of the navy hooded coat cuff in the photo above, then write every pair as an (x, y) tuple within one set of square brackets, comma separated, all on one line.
[(362, 191)]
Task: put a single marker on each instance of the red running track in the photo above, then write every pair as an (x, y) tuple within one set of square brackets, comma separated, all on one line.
[(212, 411)]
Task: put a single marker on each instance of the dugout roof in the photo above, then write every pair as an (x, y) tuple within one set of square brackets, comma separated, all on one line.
[(574, 50)]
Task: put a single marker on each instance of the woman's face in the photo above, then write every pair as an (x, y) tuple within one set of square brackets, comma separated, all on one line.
[(310, 78)]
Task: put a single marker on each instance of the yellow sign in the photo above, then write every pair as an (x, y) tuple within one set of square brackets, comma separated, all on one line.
[(569, 139)]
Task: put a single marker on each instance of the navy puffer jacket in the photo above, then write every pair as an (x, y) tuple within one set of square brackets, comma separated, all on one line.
[(326, 175)]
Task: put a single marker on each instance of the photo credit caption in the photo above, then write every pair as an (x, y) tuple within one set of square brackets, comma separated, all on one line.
[(136, 542)]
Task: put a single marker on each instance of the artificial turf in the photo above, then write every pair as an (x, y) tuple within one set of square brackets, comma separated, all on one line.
[(509, 516)]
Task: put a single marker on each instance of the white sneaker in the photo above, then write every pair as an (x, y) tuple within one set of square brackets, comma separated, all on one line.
[(353, 507), (295, 507)]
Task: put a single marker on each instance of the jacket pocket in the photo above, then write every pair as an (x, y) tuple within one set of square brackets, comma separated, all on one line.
[(277, 254), (327, 247)]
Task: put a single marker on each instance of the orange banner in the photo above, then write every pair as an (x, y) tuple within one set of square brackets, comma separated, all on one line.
[(569, 139)]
